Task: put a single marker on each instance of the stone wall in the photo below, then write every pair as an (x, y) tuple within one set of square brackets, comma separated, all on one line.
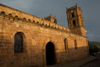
[(36, 36)]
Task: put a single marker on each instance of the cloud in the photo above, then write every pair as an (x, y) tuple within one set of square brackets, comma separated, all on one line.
[(86, 31), (41, 8), (19, 4)]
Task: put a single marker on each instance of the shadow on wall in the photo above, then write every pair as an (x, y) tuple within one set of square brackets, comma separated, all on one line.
[(34, 56)]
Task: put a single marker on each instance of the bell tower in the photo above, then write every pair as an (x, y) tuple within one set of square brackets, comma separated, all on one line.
[(75, 20)]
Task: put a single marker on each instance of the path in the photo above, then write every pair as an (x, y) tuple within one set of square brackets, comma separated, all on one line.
[(81, 63)]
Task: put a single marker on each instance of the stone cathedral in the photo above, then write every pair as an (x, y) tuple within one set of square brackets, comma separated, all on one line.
[(27, 40)]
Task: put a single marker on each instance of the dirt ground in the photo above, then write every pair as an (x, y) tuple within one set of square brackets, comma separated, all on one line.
[(94, 63)]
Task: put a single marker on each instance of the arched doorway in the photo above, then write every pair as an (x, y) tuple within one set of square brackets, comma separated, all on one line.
[(50, 54)]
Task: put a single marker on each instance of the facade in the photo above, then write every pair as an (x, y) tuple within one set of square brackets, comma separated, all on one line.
[(27, 40)]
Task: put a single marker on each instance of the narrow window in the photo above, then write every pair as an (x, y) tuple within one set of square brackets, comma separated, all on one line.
[(3, 13), (66, 43), (18, 44), (75, 42), (72, 14), (74, 23)]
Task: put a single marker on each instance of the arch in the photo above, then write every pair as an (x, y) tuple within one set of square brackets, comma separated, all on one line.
[(29, 20), (50, 54), (33, 21), (16, 16), (75, 42), (66, 43), (10, 14), (37, 22), (74, 23), (24, 18), (19, 42), (3, 12), (49, 40)]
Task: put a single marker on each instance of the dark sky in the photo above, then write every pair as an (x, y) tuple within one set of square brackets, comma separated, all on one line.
[(41, 8)]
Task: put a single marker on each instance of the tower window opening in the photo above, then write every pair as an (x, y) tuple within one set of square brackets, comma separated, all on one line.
[(74, 23), (73, 15)]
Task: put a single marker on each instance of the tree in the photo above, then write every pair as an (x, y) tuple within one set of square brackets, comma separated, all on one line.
[(93, 48)]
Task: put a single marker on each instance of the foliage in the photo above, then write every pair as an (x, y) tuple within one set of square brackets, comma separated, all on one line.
[(96, 43), (93, 48)]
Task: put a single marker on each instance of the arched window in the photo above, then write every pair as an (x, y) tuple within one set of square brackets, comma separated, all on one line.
[(3, 12), (33, 21), (66, 43), (74, 23), (16, 16), (37, 22), (29, 20), (72, 14), (18, 43), (10, 14), (75, 42), (24, 18)]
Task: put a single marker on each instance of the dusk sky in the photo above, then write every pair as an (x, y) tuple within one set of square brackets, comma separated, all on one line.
[(41, 8)]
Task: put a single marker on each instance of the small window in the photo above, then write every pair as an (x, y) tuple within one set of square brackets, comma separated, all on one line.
[(16, 16), (33, 21), (55, 21), (72, 14), (66, 43), (24, 18), (37, 22), (10, 14), (29, 20), (75, 42), (3, 13), (74, 23)]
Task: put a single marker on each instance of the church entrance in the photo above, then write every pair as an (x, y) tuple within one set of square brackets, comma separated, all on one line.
[(50, 54)]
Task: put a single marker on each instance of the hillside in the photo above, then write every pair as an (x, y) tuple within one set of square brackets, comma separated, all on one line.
[(96, 43)]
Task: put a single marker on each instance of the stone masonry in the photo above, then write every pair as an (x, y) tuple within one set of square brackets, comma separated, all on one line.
[(69, 43)]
